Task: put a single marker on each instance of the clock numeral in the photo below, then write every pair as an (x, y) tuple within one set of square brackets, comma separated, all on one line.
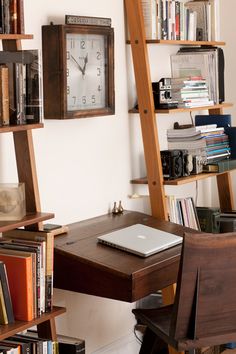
[(74, 99), (99, 55), (93, 98), (99, 88), (67, 72), (68, 90), (68, 55), (84, 99), (99, 71), (82, 44), (72, 43)]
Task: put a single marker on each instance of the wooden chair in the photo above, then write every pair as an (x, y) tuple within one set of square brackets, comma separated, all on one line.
[(204, 311)]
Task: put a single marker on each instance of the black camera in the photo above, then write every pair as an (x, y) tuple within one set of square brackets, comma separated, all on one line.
[(162, 94), (176, 163)]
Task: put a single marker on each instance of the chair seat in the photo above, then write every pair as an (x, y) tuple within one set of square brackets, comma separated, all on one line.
[(158, 320)]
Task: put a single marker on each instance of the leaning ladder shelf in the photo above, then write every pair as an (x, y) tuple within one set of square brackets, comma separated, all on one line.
[(148, 114), (26, 168), (148, 122)]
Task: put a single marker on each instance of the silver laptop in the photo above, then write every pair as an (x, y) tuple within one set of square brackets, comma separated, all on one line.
[(140, 239)]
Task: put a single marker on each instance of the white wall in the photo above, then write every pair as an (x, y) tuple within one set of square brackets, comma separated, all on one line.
[(85, 165)]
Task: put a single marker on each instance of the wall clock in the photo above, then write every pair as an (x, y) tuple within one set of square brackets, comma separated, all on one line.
[(78, 71)]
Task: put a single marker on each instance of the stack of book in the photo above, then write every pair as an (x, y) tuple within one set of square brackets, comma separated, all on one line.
[(20, 87), (189, 139), (28, 257), (208, 141), (30, 343), (217, 143), (190, 92), (180, 20), (182, 211)]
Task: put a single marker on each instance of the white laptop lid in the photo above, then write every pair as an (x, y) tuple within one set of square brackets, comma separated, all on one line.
[(140, 239)]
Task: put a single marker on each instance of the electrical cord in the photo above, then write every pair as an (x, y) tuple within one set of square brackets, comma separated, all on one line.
[(137, 337)]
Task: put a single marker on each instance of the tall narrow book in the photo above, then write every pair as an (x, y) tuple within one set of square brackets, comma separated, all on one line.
[(6, 293), (3, 312), (20, 17), (149, 8), (19, 271), (4, 96)]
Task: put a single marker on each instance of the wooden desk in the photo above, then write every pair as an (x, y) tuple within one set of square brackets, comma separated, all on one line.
[(82, 265)]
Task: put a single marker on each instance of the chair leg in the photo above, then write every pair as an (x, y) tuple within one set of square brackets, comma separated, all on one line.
[(152, 344), (192, 351)]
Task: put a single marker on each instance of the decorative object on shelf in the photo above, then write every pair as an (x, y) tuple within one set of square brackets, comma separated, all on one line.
[(162, 94), (115, 209), (12, 201), (120, 208), (79, 72)]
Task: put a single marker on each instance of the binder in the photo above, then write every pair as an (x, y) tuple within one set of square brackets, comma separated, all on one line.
[(221, 120)]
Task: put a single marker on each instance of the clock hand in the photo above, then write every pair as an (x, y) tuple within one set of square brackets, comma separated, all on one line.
[(82, 70), (85, 63)]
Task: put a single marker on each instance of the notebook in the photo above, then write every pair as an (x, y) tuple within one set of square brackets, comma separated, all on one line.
[(140, 239)]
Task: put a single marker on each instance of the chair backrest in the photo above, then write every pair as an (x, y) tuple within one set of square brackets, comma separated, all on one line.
[(205, 302)]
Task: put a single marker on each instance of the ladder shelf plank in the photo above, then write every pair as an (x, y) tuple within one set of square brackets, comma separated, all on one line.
[(17, 128), (181, 180), (19, 326), (183, 42), (180, 110), (29, 219)]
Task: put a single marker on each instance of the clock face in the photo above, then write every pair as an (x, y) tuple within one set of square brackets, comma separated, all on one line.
[(86, 60)]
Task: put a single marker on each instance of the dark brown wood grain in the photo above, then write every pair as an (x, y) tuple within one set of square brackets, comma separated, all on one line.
[(204, 310), (83, 265), (44, 319)]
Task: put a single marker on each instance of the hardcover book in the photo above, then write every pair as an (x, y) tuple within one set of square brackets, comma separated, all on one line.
[(19, 271), (6, 293), (3, 312), (4, 96)]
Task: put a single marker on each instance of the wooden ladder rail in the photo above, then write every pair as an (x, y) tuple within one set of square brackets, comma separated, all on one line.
[(148, 120), (146, 108), (26, 168), (224, 182)]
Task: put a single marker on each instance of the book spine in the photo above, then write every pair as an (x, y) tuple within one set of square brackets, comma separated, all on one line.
[(49, 272), (13, 16), (6, 293), (3, 311), (4, 96), (19, 99), (177, 20), (1, 16), (150, 18), (20, 17), (6, 17)]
